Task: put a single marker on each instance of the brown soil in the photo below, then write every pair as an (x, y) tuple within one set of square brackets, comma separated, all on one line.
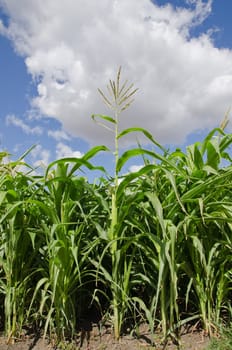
[(92, 341)]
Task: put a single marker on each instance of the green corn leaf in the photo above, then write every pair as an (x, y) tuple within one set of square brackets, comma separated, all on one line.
[(153, 198), (213, 154), (139, 151), (104, 117), (144, 132), (198, 160)]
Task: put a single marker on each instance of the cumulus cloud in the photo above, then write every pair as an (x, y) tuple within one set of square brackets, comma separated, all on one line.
[(63, 151), (40, 156), (73, 47), (13, 120), (58, 135)]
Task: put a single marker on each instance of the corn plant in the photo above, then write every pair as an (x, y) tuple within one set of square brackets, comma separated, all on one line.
[(120, 98), (16, 240), (123, 236), (208, 224), (207, 267), (67, 212), (161, 248)]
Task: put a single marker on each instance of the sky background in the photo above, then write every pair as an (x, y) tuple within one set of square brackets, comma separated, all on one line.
[(54, 57)]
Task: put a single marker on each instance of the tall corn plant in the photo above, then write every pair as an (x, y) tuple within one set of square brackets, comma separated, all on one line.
[(16, 240), (67, 211), (123, 235), (160, 202), (126, 235), (206, 195), (119, 99), (208, 201)]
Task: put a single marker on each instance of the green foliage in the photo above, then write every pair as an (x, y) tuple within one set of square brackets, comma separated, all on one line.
[(150, 246)]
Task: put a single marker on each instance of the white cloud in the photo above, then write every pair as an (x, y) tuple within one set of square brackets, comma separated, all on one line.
[(40, 156), (58, 135), (13, 120), (73, 47), (135, 168), (63, 151)]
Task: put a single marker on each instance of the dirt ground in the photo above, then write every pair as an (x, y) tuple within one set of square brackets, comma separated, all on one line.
[(191, 341)]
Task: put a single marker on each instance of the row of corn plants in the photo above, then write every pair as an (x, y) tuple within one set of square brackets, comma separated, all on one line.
[(151, 246)]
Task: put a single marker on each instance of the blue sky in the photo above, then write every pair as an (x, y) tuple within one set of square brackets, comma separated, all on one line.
[(53, 59)]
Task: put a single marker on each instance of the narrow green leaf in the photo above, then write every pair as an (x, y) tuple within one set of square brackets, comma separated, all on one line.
[(140, 151), (198, 160), (143, 131), (104, 117)]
